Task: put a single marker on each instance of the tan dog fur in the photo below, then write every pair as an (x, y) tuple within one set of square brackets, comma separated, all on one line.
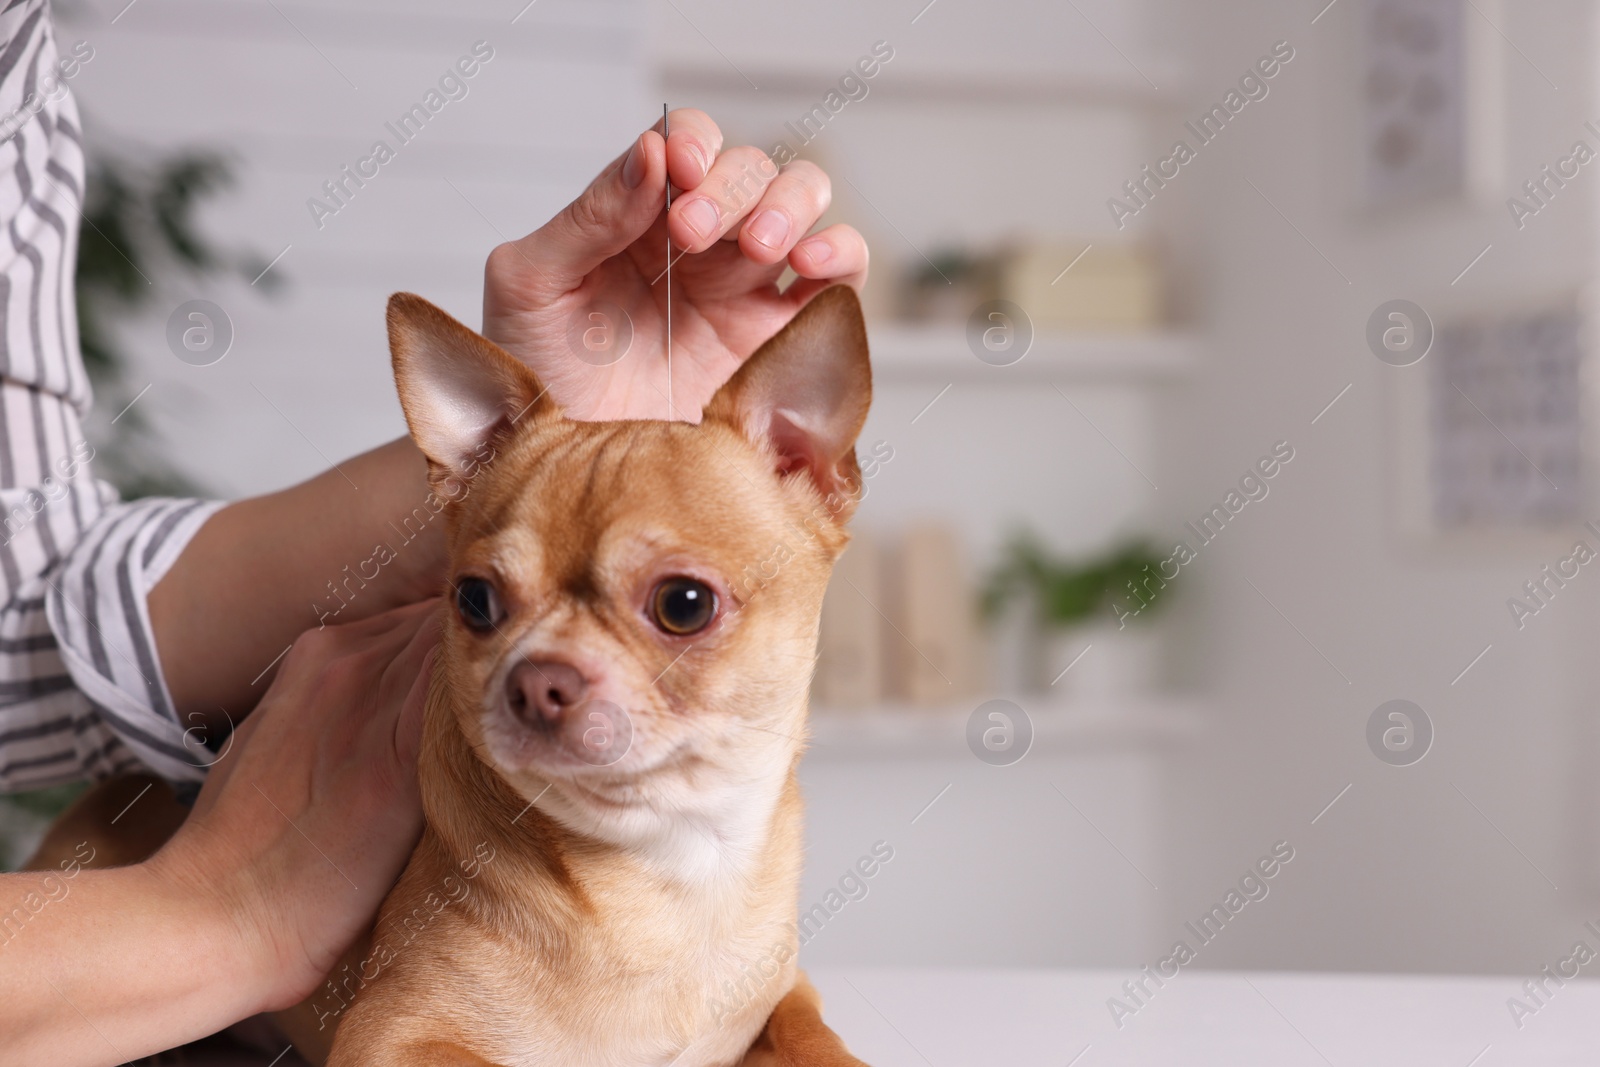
[(609, 913), (120, 821)]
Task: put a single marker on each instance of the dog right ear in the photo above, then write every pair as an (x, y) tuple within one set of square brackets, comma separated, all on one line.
[(458, 388), (804, 395)]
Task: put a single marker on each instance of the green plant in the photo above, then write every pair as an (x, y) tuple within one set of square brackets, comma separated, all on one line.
[(49, 802), (1066, 592), (140, 235), (24, 817)]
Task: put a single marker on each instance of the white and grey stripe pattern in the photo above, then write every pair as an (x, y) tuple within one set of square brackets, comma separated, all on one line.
[(97, 611), (81, 691)]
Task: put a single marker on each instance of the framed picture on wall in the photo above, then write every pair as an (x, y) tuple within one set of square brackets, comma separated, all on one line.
[(1490, 438), (1430, 100)]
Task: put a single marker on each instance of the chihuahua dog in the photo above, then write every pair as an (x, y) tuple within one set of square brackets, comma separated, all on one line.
[(610, 868)]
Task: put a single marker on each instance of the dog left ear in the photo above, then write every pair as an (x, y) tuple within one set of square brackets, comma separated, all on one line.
[(458, 388), (805, 394)]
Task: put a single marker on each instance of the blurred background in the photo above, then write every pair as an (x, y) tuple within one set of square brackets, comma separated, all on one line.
[(1194, 459)]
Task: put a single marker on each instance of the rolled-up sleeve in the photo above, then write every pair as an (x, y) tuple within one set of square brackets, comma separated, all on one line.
[(97, 605), (49, 731)]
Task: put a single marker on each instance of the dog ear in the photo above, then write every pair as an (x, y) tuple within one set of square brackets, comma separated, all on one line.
[(805, 394), (458, 388)]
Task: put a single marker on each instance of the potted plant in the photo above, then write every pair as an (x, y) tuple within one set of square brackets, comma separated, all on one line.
[(1091, 618), (948, 286)]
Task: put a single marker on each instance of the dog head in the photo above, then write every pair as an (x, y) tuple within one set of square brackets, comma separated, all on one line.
[(635, 604)]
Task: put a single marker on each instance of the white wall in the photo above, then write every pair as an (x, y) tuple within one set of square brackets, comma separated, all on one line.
[(1403, 873), (564, 93)]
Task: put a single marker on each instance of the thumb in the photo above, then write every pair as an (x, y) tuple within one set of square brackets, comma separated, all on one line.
[(613, 212)]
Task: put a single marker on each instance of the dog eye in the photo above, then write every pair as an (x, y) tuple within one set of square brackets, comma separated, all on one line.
[(477, 604), (683, 606)]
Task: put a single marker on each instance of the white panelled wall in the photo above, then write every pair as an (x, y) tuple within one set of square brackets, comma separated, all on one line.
[(296, 92), (1481, 856)]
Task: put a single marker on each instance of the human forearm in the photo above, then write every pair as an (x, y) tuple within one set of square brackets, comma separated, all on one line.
[(344, 545), (117, 964), (295, 840)]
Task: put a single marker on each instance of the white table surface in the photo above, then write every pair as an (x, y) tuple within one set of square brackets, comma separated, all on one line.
[(901, 1017)]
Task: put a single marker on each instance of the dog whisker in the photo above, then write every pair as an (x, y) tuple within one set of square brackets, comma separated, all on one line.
[(767, 730)]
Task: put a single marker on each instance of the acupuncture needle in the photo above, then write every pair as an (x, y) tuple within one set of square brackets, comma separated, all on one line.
[(664, 131)]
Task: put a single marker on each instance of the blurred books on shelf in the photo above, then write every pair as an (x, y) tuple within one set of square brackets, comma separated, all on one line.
[(1084, 287), (899, 622), (850, 648), (936, 660)]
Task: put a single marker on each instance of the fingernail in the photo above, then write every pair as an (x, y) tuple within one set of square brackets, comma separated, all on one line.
[(701, 215), (770, 228), (700, 158), (817, 252), (633, 166)]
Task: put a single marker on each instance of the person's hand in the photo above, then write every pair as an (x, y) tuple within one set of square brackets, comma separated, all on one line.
[(737, 222), (308, 818)]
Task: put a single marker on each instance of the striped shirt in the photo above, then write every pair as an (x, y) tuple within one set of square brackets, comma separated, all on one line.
[(81, 690)]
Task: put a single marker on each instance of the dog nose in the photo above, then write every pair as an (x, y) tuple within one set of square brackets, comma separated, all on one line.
[(543, 691)]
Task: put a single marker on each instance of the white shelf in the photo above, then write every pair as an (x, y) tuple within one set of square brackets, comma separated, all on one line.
[(1137, 722), (918, 353), (1111, 84)]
